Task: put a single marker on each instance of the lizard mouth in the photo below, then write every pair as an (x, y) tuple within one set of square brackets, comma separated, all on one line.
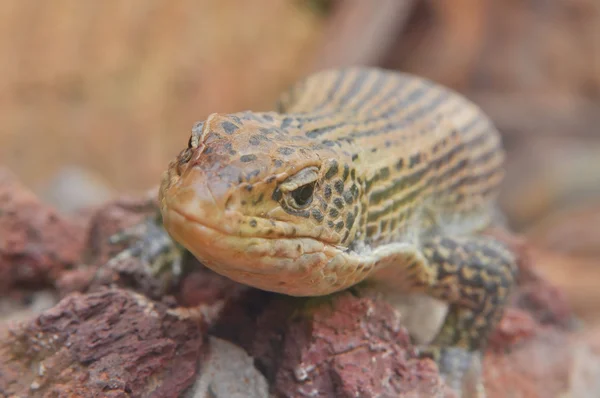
[(293, 266)]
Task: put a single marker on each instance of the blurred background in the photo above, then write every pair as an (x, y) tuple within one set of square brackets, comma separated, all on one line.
[(96, 97)]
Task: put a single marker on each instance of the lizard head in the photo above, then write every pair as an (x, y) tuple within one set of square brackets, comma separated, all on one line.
[(256, 200)]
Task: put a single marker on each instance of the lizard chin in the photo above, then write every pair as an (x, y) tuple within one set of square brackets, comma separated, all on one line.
[(293, 266)]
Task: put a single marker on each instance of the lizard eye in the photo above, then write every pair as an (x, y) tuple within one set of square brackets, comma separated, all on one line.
[(297, 191), (301, 197)]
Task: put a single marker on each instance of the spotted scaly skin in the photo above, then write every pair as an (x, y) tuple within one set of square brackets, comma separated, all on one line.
[(360, 173)]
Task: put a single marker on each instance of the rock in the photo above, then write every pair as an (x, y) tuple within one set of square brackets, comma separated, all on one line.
[(73, 188), (572, 232), (574, 277), (337, 346), (119, 331), (229, 373), (105, 222), (548, 364), (37, 243), (203, 286), (113, 217), (24, 305), (112, 344)]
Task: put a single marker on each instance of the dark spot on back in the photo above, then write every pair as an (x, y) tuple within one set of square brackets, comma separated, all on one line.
[(384, 173), (338, 203), (448, 244), (339, 186), (284, 150), (393, 224), (332, 170), (229, 148), (333, 213), (270, 179), (339, 226), (354, 157), (267, 117), (252, 174), (329, 143), (253, 223), (211, 136), (346, 234), (247, 158), (350, 220), (254, 140), (286, 122), (383, 225), (346, 172), (277, 163), (348, 197), (414, 160), (327, 192), (371, 229), (400, 164), (317, 215), (314, 133), (229, 127)]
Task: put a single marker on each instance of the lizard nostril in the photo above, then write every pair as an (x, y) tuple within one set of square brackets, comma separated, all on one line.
[(182, 160)]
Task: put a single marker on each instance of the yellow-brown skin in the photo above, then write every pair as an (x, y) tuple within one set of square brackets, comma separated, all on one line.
[(400, 175)]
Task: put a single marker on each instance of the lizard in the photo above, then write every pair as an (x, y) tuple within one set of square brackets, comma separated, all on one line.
[(359, 174)]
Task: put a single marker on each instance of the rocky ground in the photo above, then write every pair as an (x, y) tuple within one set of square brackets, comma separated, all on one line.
[(107, 93), (75, 326)]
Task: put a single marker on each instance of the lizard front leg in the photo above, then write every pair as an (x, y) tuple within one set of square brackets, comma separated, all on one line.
[(474, 275)]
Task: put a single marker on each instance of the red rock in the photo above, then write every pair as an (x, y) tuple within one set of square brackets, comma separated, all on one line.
[(575, 276), (229, 372), (37, 243), (535, 292), (203, 286), (111, 218), (342, 346), (551, 364), (119, 343), (515, 327), (110, 343), (131, 272)]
